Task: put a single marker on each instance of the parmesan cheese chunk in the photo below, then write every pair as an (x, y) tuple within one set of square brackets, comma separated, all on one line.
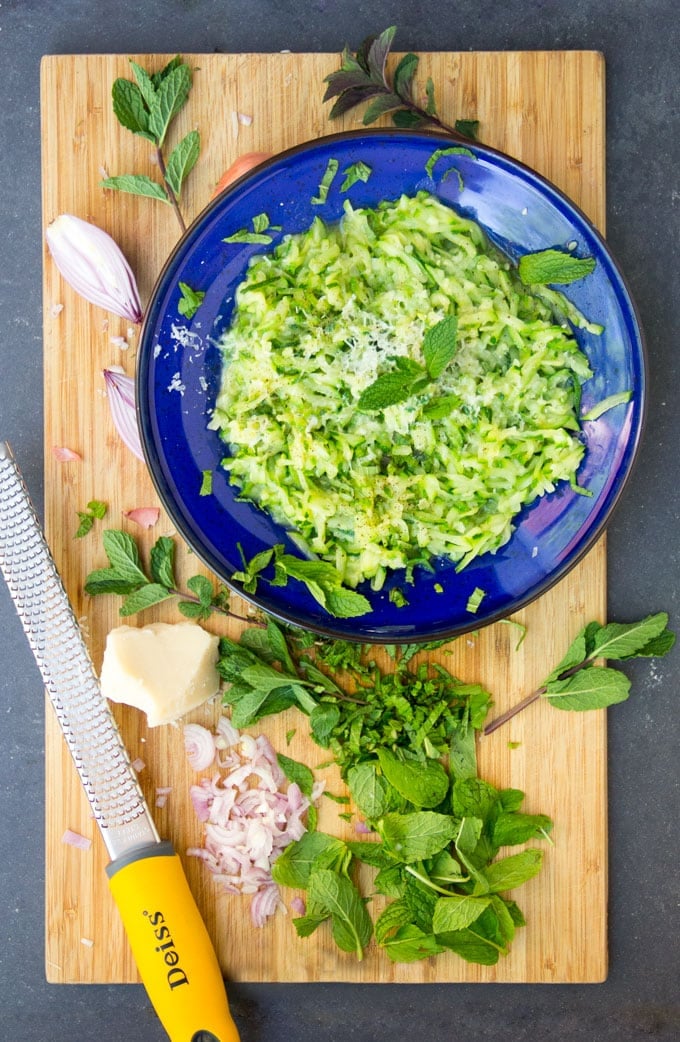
[(164, 669)]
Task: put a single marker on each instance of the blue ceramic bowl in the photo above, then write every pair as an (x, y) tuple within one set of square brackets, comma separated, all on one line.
[(179, 373)]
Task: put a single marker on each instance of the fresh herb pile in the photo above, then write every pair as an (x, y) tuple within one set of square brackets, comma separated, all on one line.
[(438, 830)]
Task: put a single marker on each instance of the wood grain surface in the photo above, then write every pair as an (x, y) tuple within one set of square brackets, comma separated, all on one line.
[(545, 108)]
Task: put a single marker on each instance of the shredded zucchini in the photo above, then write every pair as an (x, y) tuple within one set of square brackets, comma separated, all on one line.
[(442, 474)]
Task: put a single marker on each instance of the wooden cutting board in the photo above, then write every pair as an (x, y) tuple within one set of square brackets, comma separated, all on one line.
[(546, 109)]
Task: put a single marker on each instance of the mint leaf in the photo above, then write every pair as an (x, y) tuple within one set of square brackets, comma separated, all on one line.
[(260, 222), (323, 581), (369, 790), (412, 837), (353, 173), (410, 944), (107, 580), (191, 610), (379, 106), (463, 754), (619, 640), (146, 597), (162, 560), (278, 648), (511, 828), (389, 389), (404, 75), (85, 526), (296, 772), (182, 160), (245, 236), (548, 266), (468, 833), (171, 95), (136, 184), (512, 871), (202, 588), (129, 108), (147, 107), (409, 377), (575, 656), (96, 510), (294, 865), (594, 688), (158, 77), (144, 82), (346, 604), (123, 555), (188, 305), (336, 894), (322, 721), (440, 408), (439, 345), (422, 783), (472, 946), (458, 912), (467, 127)]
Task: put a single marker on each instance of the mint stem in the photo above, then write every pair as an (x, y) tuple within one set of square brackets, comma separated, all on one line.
[(171, 195), (437, 122), (220, 611), (513, 711)]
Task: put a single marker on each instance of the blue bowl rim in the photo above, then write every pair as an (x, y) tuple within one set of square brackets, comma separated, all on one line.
[(143, 419)]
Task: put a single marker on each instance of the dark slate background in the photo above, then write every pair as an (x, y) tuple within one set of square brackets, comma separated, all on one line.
[(640, 41)]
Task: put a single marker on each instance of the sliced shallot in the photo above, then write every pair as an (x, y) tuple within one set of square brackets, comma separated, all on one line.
[(199, 745), (121, 394), (249, 812)]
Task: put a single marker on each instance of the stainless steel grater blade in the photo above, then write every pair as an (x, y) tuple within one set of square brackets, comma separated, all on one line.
[(67, 671)]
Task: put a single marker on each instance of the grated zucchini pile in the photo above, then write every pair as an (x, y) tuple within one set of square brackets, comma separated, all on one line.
[(322, 316)]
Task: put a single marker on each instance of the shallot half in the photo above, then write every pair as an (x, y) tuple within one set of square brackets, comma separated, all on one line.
[(94, 265)]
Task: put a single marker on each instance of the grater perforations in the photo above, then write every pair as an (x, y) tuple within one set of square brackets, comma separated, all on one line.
[(65, 665)]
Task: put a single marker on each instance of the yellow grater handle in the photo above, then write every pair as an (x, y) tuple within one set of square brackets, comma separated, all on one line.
[(171, 945)]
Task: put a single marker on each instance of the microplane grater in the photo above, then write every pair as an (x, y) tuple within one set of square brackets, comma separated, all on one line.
[(67, 671)]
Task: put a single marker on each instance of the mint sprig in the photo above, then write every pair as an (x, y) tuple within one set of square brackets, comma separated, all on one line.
[(147, 107), (362, 79), (143, 586), (579, 683), (410, 377)]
